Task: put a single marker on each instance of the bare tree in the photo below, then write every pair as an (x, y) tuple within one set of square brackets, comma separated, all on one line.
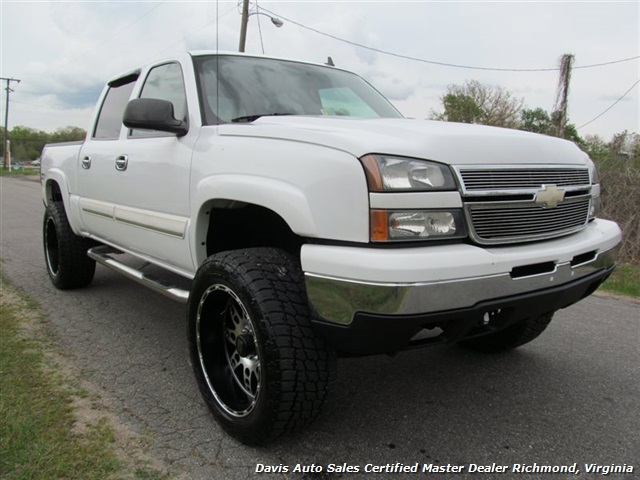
[(475, 102)]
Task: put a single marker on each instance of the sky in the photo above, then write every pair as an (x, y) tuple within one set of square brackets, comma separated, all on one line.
[(63, 52)]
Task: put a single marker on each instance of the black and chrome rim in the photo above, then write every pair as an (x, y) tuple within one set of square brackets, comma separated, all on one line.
[(228, 350), (51, 249)]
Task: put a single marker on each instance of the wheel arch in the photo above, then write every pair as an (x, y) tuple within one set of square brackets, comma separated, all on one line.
[(249, 212), (55, 189), (231, 225)]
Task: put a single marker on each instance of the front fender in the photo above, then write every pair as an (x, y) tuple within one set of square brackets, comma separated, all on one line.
[(285, 199), (281, 197), (319, 191)]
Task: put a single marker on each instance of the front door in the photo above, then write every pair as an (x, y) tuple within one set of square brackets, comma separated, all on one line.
[(134, 190)]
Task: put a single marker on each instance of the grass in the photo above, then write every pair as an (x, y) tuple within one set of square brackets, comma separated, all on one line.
[(20, 172), (37, 418), (624, 280)]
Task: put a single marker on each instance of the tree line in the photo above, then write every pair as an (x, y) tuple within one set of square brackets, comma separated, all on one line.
[(474, 102), (27, 143)]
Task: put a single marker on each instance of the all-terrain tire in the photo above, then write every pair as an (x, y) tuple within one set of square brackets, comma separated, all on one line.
[(65, 253), (260, 367), (511, 337)]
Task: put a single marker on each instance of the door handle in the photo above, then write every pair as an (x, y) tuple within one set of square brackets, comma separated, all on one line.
[(86, 162), (121, 162)]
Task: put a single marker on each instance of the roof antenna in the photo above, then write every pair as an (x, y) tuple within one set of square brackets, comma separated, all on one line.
[(330, 62)]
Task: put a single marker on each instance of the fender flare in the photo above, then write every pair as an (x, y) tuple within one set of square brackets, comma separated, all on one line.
[(56, 175), (284, 199)]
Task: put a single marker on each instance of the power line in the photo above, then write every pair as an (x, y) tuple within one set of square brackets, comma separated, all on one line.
[(259, 27), (610, 106), (608, 63), (218, 17), (132, 23), (114, 35), (442, 64)]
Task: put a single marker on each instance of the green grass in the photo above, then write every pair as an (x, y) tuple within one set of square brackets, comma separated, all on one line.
[(625, 280), (37, 438), (19, 173)]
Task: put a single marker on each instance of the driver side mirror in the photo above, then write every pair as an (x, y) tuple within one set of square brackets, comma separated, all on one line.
[(153, 114)]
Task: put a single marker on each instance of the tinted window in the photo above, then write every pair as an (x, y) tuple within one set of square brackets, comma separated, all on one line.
[(344, 101), (233, 87), (110, 117), (165, 82)]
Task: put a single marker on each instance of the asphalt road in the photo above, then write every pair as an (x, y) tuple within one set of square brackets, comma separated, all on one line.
[(571, 396)]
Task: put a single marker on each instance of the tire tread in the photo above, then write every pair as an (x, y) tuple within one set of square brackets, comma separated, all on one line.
[(305, 365), (75, 268)]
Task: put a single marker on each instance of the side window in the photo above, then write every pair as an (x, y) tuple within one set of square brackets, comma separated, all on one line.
[(110, 116), (166, 83)]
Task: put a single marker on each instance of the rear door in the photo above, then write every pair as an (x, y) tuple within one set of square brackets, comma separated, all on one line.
[(96, 170)]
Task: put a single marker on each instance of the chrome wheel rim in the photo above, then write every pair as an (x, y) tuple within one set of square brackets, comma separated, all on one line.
[(228, 350), (51, 249)]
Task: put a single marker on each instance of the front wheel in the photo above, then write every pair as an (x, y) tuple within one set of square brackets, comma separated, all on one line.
[(261, 369), (518, 334), (65, 253)]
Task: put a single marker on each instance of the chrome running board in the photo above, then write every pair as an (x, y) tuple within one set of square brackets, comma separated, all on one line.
[(102, 255)]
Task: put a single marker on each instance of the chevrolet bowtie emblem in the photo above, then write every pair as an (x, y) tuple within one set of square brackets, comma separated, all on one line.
[(550, 196)]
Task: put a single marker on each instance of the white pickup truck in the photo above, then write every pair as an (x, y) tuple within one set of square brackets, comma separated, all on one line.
[(310, 219)]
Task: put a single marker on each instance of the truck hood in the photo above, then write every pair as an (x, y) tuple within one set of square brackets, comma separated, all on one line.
[(451, 143)]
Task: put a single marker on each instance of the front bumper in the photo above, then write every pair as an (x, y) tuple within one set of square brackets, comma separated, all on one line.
[(370, 334), (435, 282)]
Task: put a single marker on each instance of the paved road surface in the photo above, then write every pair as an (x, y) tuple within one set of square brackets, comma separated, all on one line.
[(572, 396)]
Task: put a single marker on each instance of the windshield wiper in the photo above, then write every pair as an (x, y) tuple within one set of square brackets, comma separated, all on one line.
[(251, 118)]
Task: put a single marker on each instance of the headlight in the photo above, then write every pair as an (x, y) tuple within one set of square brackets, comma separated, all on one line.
[(391, 225), (387, 173)]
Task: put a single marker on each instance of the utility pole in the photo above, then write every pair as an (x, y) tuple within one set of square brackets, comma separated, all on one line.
[(243, 25), (562, 94), (5, 152), (245, 21)]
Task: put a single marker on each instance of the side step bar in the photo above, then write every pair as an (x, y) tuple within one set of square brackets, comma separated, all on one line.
[(102, 255)]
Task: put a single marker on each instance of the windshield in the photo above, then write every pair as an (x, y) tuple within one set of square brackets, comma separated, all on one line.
[(245, 88)]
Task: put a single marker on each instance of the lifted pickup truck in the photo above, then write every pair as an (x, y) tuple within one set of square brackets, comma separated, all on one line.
[(312, 220)]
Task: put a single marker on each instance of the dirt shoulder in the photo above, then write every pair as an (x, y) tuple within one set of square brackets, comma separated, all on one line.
[(48, 402)]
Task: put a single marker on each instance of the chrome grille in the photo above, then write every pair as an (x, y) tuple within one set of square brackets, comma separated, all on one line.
[(520, 178), (504, 203), (510, 223)]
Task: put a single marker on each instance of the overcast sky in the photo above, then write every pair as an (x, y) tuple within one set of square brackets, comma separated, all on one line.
[(64, 51)]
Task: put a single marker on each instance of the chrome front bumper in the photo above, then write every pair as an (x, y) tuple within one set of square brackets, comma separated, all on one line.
[(337, 300)]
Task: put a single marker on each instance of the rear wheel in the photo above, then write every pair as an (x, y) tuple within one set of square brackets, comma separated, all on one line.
[(511, 337), (261, 369), (65, 253)]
